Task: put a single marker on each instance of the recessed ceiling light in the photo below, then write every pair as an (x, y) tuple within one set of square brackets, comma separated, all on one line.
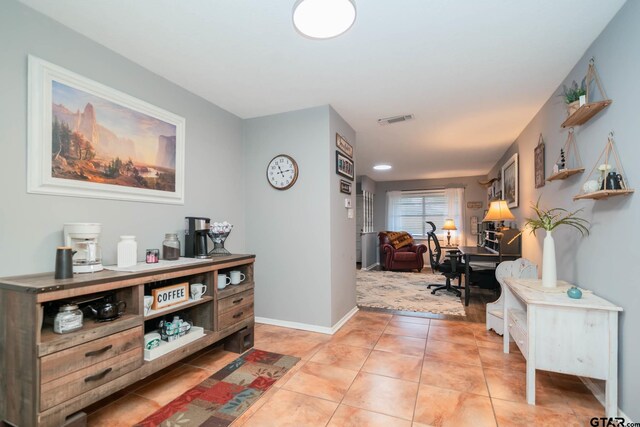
[(323, 19), (382, 167)]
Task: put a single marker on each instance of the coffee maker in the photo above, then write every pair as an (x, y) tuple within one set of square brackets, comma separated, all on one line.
[(195, 239), (84, 240)]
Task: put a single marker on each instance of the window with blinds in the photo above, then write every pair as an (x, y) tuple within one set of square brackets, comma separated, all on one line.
[(413, 210)]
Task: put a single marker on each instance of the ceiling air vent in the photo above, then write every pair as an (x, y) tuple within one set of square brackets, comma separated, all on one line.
[(395, 119)]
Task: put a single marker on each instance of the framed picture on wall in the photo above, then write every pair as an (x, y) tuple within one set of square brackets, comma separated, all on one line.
[(344, 146), (510, 181), (345, 187), (538, 159), (344, 166), (89, 140)]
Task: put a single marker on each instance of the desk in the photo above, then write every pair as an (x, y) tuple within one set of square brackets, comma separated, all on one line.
[(560, 334), (480, 254)]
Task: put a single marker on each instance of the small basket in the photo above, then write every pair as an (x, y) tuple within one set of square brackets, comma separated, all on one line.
[(218, 243)]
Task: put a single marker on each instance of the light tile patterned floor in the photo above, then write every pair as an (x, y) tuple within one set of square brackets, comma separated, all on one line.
[(380, 370)]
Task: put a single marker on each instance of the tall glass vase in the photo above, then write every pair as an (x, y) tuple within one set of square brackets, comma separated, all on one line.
[(549, 275)]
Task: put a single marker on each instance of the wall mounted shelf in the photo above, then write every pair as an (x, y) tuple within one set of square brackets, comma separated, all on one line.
[(589, 109), (603, 194), (585, 113), (564, 174)]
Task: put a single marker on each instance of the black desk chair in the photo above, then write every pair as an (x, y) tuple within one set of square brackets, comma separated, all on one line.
[(452, 267)]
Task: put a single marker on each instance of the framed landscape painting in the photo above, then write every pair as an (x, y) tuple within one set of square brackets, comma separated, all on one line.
[(510, 181), (88, 140)]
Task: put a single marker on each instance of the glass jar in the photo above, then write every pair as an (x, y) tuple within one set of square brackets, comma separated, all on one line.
[(68, 319), (171, 247)]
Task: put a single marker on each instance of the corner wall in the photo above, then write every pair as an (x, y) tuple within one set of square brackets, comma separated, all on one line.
[(31, 224), (605, 261), (289, 231), (343, 229)]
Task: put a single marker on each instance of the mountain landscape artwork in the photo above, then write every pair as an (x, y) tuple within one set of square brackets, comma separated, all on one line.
[(99, 141)]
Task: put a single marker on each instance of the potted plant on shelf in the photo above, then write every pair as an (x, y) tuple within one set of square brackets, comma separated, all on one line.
[(549, 220), (572, 95)]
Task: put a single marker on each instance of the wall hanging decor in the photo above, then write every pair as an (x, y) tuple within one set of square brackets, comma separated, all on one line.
[(569, 158), (587, 107), (89, 140), (344, 146), (344, 166), (607, 178), (345, 187), (538, 159), (510, 181)]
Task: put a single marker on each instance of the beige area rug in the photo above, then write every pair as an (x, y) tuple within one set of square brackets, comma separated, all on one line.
[(405, 292)]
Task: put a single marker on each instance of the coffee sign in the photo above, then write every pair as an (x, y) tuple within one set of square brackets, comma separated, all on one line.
[(170, 295)]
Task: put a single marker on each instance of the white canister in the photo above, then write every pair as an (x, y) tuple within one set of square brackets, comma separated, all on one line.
[(127, 251)]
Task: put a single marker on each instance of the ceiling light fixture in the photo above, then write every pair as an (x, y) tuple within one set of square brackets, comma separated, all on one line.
[(382, 167), (323, 19)]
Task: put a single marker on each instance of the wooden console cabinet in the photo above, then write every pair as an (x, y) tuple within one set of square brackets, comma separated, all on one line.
[(46, 377)]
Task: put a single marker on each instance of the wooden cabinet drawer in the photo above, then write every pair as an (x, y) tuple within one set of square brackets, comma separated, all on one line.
[(234, 316), (64, 362), (62, 389), (230, 303)]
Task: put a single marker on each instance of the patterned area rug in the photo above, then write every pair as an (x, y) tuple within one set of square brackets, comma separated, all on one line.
[(224, 396), (405, 292)]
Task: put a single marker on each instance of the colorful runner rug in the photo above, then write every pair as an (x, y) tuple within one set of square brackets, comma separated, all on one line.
[(224, 396)]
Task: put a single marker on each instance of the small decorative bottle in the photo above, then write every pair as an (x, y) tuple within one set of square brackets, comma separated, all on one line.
[(171, 247), (127, 251)]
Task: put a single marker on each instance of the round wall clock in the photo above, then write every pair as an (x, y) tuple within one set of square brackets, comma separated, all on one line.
[(282, 172)]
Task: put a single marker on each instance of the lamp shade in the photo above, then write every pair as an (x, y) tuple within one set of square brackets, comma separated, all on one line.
[(499, 211), (449, 224)]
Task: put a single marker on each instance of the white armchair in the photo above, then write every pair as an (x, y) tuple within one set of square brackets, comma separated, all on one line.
[(520, 269)]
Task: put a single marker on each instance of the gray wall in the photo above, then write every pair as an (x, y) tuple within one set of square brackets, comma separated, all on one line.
[(366, 184), (289, 230), (31, 225), (474, 192), (342, 229), (604, 261)]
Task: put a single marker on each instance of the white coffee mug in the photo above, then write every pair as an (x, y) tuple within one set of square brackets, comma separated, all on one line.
[(236, 277), (148, 302), (223, 281), (198, 290)]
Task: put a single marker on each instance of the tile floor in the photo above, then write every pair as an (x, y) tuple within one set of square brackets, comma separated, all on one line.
[(379, 370)]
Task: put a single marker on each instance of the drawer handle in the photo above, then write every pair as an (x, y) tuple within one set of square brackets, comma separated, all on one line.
[(511, 325), (98, 352), (99, 376), (239, 300), (235, 316)]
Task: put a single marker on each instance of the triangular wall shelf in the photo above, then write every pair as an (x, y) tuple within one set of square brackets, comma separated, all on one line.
[(575, 162), (589, 109), (597, 186)]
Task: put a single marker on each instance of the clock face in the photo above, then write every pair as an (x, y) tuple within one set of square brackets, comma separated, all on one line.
[(282, 172)]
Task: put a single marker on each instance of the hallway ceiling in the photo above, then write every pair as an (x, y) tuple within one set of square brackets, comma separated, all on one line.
[(473, 73)]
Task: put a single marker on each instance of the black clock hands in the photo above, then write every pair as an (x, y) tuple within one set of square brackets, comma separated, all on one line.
[(280, 169)]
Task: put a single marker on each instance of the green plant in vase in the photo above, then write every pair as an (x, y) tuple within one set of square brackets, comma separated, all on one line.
[(549, 220)]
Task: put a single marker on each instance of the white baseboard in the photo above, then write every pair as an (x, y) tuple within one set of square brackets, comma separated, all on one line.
[(371, 267), (599, 394), (307, 327), (344, 320)]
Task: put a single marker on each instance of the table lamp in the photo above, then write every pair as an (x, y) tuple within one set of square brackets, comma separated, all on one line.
[(499, 211), (449, 225)]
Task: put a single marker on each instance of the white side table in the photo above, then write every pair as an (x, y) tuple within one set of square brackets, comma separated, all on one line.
[(560, 334)]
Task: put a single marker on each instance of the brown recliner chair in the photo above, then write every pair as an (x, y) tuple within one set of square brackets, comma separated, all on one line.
[(408, 257)]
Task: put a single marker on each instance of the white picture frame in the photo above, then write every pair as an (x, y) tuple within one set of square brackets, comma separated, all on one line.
[(45, 175), (510, 181)]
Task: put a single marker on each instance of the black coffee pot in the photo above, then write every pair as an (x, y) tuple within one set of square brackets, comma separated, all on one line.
[(107, 309), (613, 181)]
